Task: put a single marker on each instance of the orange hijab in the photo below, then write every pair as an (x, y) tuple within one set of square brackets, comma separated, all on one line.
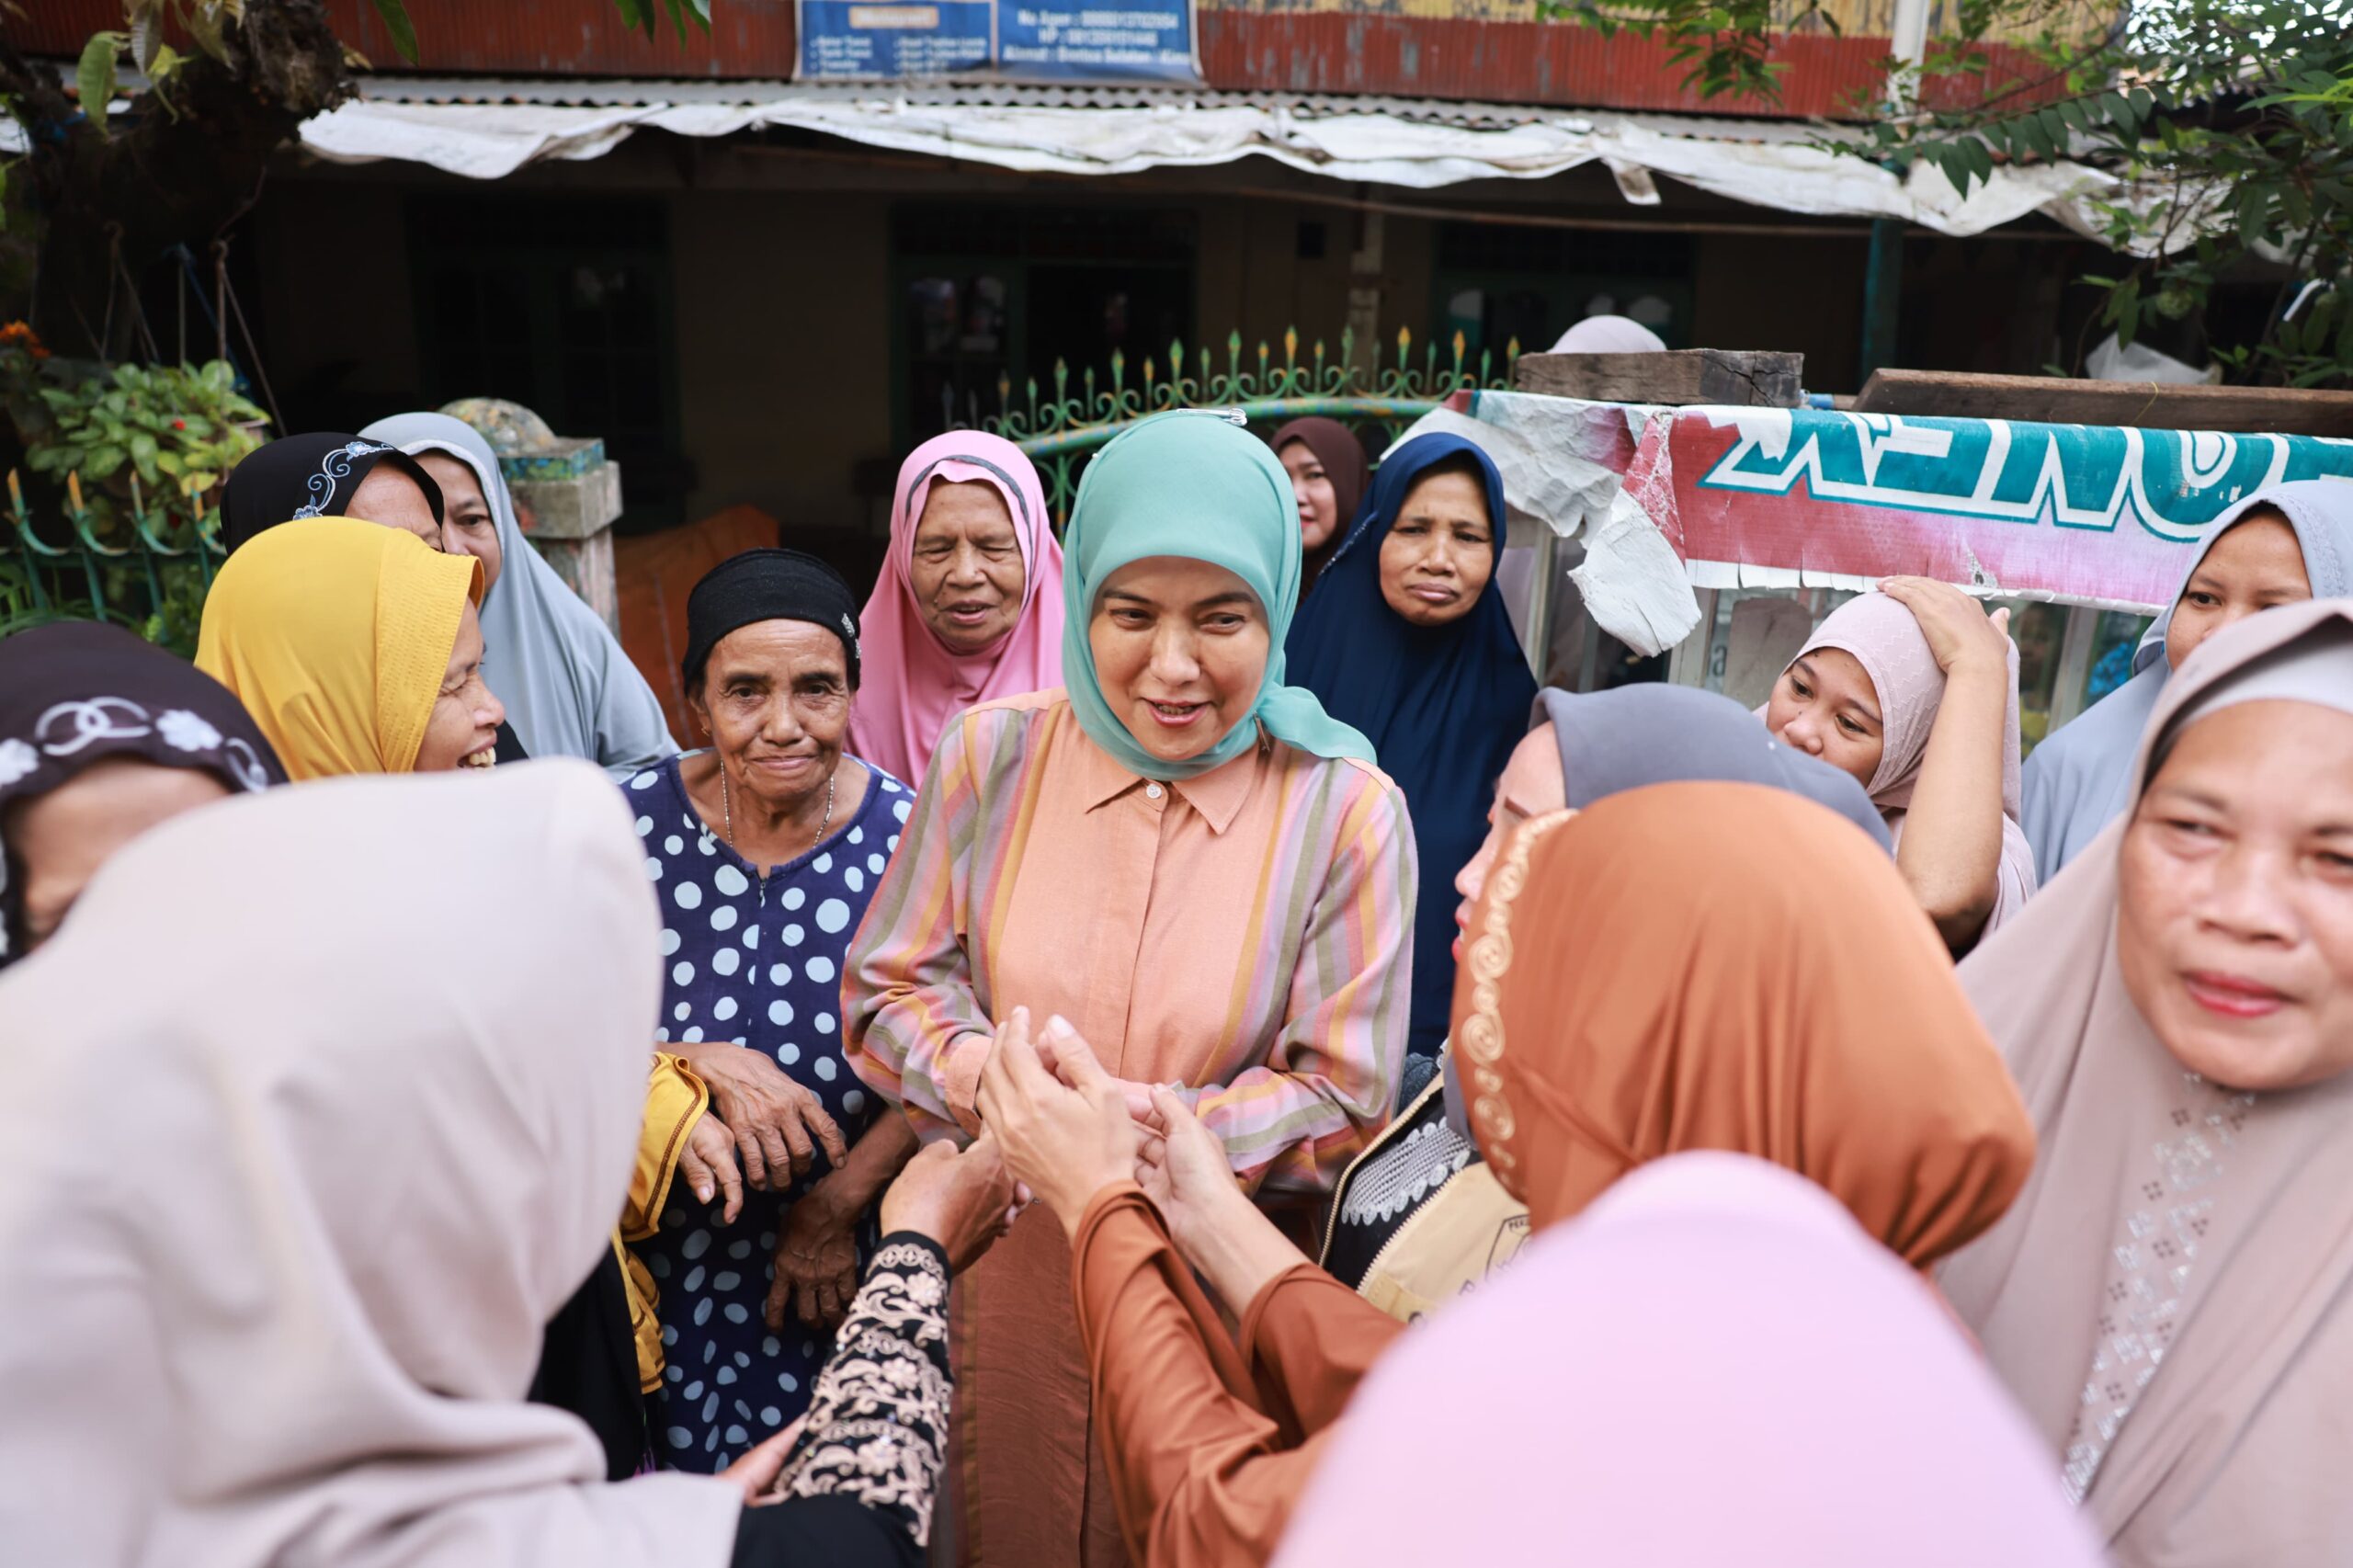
[(1803, 1012)]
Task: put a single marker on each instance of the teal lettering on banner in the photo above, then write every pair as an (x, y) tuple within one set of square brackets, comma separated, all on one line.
[(2171, 483)]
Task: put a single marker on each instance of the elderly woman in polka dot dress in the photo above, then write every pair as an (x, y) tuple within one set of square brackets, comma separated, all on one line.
[(764, 849)]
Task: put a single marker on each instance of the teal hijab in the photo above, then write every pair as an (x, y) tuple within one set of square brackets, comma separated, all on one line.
[(1192, 485)]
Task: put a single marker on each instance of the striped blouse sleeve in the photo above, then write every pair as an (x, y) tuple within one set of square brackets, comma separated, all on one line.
[(915, 1028), (1327, 1083)]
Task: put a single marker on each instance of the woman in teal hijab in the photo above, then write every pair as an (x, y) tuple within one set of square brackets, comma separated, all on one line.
[(1185, 861)]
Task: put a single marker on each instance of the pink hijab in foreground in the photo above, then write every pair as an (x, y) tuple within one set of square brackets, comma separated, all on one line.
[(912, 685), (285, 1203), (1887, 642), (2169, 1219), (1713, 1365)]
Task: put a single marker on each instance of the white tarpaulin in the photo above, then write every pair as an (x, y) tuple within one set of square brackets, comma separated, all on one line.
[(1770, 164)]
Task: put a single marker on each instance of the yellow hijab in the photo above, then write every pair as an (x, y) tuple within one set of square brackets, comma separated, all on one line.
[(335, 635)]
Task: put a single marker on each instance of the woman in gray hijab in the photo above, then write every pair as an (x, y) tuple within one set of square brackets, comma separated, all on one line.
[(2282, 544)]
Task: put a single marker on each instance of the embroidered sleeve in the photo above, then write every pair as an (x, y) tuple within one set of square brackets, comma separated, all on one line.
[(877, 1430)]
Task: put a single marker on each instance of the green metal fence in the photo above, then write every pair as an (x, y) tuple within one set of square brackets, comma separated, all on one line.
[(136, 562), (147, 561), (1062, 431)]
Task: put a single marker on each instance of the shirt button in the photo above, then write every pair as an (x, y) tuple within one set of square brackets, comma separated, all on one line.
[(1152, 791)]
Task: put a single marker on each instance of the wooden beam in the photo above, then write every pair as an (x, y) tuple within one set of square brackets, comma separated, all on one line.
[(2149, 406), (1681, 377)]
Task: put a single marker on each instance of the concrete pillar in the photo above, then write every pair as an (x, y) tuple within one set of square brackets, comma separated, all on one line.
[(567, 495)]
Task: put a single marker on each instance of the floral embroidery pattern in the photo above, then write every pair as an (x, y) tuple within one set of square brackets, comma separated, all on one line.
[(334, 469), (878, 1422), (17, 760)]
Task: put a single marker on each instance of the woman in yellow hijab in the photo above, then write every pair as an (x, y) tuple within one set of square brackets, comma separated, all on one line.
[(357, 649), (407, 697)]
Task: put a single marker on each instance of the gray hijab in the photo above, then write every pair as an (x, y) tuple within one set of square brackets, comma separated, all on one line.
[(569, 690), (1615, 741), (2081, 779)]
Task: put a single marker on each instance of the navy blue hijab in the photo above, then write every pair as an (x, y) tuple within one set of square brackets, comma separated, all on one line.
[(1443, 706)]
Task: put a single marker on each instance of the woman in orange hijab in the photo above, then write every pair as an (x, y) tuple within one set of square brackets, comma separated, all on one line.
[(1681, 967)]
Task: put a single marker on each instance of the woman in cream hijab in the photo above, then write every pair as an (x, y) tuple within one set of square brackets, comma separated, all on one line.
[(286, 1310), (2172, 1297)]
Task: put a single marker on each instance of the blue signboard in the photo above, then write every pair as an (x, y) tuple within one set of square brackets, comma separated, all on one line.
[(1089, 40)]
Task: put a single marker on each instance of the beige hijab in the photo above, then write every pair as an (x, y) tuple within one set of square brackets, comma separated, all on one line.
[(287, 1187), (2171, 1298)]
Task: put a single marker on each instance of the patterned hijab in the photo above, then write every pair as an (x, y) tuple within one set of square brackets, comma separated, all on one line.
[(1715, 966), (1192, 485), (2171, 1219), (336, 636), (912, 684), (307, 476), (77, 693)]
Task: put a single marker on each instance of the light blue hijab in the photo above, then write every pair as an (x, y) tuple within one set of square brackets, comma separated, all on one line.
[(2081, 779), (1191, 483), (569, 688)]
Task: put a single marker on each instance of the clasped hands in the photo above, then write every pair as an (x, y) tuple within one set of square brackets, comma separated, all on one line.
[(1069, 1129)]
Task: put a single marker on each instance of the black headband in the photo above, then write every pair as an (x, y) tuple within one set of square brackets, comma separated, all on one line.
[(766, 584)]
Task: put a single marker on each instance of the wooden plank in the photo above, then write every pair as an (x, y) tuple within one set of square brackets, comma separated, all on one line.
[(1681, 377), (2148, 406)]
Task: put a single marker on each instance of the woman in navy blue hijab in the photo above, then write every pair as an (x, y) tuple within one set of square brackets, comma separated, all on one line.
[(1407, 639)]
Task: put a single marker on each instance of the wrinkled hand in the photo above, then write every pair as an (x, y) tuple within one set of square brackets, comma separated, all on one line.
[(779, 1125), (1958, 629), (1182, 1167), (756, 1471), (816, 1262), (1066, 1139), (963, 1201), (708, 1161)]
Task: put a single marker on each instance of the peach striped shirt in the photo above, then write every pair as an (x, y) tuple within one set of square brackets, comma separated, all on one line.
[(1245, 933)]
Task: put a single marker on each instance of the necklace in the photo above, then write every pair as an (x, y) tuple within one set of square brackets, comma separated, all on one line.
[(727, 807)]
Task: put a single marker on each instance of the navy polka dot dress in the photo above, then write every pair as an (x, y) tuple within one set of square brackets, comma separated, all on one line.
[(757, 962)]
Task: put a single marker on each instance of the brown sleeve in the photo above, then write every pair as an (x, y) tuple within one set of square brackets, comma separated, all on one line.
[(1308, 1341), (1196, 1470)]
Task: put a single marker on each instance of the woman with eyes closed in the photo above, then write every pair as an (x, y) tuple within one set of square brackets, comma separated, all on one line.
[(1408, 639), (969, 606), (1188, 863), (2172, 1298), (2281, 545), (1914, 692)]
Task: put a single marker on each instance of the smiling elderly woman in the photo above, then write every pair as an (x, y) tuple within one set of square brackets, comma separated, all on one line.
[(764, 849), (1186, 858)]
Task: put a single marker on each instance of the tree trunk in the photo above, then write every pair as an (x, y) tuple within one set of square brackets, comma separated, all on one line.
[(179, 168)]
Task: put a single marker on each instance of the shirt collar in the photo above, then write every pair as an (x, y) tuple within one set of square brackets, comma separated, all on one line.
[(1217, 795)]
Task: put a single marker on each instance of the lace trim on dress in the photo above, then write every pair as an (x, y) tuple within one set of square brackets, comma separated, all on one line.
[(1396, 1180), (878, 1418)]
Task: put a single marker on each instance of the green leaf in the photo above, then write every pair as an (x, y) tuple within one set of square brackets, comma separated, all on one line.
[(395, 13), (635, 15), (205, 28), (104, 461), (142, 455), (93, 77), (1981, 158)]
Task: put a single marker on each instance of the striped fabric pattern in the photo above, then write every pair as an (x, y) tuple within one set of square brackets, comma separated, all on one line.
[(1243, 934)]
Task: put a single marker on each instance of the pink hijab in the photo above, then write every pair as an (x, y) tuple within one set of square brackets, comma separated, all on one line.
[(1713, 1365), (911, 685), (1888, 643)]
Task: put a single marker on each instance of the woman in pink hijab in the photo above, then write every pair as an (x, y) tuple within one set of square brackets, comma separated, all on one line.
[(1604, 1401), (1914, 691), (969, 606)]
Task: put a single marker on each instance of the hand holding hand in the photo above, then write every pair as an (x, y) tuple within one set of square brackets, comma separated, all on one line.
[(779, 1124), (1182, 1167), (708, 1161), (1066, 1139), (963, 1201), (1959, 632), (816, 1262)]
